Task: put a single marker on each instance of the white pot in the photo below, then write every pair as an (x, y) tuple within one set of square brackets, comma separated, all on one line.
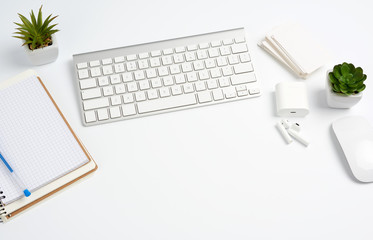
[(43, 55), (336, 100)]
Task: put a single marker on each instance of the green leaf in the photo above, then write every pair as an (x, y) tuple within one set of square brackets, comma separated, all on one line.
[(345, 70), (40, 18), (337, 71), (362, 88), (332, 78)]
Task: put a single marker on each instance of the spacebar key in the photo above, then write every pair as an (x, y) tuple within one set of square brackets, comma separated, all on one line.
[(166, 103)]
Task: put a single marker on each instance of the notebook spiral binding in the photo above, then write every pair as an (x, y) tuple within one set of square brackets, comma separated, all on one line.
[(2, 207)]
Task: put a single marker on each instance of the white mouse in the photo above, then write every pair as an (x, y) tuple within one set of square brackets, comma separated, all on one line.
[(355, 135)]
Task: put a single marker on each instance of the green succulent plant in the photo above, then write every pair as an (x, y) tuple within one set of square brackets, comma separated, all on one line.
[(346, 79), (36, 33)]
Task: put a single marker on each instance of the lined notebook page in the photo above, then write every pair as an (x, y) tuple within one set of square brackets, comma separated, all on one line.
[(34, 139)]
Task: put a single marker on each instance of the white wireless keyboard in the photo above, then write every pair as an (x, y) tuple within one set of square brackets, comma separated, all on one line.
[(146, 79)]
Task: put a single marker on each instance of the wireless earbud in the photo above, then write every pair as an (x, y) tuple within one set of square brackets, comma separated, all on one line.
[(289, 130), (296, 135), (281, 127)]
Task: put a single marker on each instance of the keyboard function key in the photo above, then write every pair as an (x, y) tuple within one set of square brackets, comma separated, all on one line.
[(180, 49), (228, 41), (131, 57), (119, 59), (168, 51), (143, 55), (82, 65), (156, 53), (107, 61), (192, 47), (216, 44), (204, 45), (95, 63)]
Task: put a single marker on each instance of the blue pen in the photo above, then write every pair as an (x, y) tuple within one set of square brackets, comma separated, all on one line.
[(15, 177)]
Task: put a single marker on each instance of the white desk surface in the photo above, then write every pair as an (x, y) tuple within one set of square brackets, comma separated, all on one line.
[(220, 172)]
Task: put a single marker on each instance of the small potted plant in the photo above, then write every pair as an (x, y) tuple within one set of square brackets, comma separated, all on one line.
[(38, 37), (344, 85)]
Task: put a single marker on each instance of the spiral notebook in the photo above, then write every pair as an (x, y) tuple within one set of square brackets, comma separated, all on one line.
[(39, 144)]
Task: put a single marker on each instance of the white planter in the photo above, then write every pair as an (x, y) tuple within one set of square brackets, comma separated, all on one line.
[(43, 55), (336, 100)]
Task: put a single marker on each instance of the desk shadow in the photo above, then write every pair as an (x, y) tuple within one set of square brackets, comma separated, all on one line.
[(342, 157), (321, 99)]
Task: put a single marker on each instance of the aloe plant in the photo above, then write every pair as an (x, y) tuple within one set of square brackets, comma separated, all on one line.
[(346, 79), (36, 33)]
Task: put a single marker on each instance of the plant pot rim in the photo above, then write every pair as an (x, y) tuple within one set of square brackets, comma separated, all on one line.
[(54, 44), (356, 95)]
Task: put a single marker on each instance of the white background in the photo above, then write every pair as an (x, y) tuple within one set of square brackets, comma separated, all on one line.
[(219, 172)]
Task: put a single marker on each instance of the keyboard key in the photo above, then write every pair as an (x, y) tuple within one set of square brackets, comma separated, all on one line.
[(180, 49), (239, 39), (115, 79), (81, 65), (187, 67), (127, 77), (227, 71), (155, 62), (174, 69), (192, 77), (204, 45), (156, 53), (239, 48), (163, 71), (189, 56), (107, 70), (128, 98), (152, 94), (202, 54), (176, 90), (254, 91), (216, 44), (108, 91), (188, 88), (217, 94), (143, 64), (139, 75), (166, 103), (119, 68), (243, 78), (200, 86), (215, 73), (107, 61), (132, 87), (91, 93), (131, 66), (180, 78), (243, 68), (119, 59), (178, 58), (94, 63), (143, 55), (115, 112), (245, 57), (103, 81), (128, 110), (192, 47), (225, 51), (144, 85), (224, 82), (212, 84), (213, 52), (90, 116), (242, 93), (102, 114), (227, 41), (221, 61), (198, 65), (204, 97), (168, 81), (95, 72), (131, 57), (119, 88), (168, 51), (115, 100), (95, 103), (82, 74), (164, 92), (167, 60), (229, 92), (233, 59), (203, 75), (151, 73), (156, 83), (140, 96), (87, 83)]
